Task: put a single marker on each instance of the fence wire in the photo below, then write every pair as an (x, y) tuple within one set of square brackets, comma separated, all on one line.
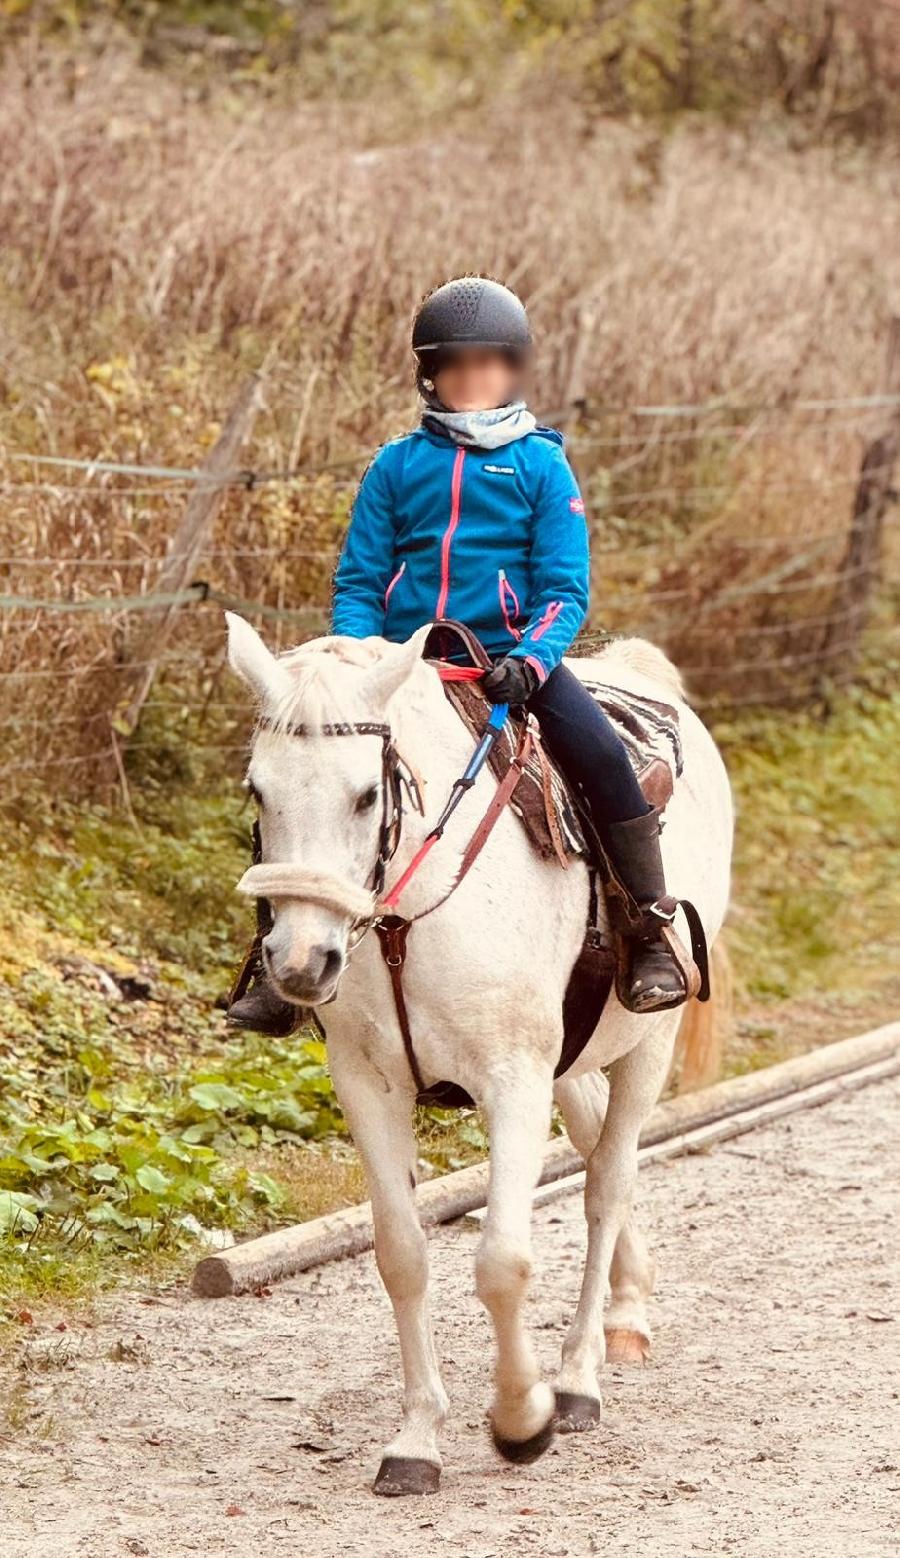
[(754, 609)]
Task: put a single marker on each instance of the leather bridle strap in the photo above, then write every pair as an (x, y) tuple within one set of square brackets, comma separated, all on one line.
[(393, 930), (496, 806)]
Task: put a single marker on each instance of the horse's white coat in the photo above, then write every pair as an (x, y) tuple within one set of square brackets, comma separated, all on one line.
[(484, 983)]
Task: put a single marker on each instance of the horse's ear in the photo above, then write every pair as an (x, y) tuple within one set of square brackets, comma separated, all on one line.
[(395, 665), (251, 660)]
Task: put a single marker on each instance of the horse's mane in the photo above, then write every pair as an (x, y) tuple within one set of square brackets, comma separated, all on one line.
[(324, 681), (325, 676)]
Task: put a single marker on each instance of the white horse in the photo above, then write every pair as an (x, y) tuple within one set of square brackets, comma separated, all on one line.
[(484, 983)]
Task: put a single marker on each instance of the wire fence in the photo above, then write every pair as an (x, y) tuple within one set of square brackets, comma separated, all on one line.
[(723, 531)]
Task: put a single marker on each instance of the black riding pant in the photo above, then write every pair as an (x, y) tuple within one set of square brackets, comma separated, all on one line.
[(583, 741)]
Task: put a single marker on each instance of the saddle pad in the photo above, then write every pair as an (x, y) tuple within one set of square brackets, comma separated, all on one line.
[(648, 728)]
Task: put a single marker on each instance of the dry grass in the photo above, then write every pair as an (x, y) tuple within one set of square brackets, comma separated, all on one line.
[(157, 244)]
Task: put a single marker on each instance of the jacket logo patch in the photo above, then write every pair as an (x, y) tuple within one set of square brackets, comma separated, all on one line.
[(576, 505), (500, 470)]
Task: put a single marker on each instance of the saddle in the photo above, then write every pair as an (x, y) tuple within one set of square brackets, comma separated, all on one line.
[(557, 823)]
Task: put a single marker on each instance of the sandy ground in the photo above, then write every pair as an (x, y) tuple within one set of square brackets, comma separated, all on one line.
[(767, 1422)]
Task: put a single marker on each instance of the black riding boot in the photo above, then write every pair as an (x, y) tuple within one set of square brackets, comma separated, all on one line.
[(653, 978), (256, 1004)]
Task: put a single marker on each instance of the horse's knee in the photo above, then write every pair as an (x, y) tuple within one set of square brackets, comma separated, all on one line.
[(401, 1254), (502, 1270)]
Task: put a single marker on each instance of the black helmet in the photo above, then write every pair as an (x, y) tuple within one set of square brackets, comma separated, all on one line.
[(471, 311)]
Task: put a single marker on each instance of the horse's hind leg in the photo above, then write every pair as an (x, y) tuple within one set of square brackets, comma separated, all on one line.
[(583, 1101), (632, 1275), (380, 1120), (611, 1169), (517, 1105)]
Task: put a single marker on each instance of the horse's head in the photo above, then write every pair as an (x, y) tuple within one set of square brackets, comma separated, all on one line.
[(323, 804)]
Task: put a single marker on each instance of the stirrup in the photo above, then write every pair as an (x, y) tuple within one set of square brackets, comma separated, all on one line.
[(658, 935)]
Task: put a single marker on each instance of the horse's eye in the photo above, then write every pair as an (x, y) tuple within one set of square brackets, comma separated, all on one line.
[(367, 798), (253, 793)]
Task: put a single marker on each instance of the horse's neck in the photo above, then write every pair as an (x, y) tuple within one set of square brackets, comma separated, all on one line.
[(428, 731)]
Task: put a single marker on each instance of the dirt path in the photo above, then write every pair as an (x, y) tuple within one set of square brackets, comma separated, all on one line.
[(768, 1422)]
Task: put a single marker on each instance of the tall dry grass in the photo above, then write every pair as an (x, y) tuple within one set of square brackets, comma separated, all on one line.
[(156, 244)]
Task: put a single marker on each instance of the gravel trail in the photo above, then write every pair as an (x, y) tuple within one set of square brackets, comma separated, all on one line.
[(767, 1423)]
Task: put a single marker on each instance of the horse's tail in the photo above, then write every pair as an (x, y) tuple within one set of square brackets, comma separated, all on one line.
[(706, 1025), (645, 658)]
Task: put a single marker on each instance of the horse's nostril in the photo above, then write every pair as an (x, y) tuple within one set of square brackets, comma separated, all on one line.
[(330, 959), (300, 983)]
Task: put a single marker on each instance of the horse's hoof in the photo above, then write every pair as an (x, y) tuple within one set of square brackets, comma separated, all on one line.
[(399, 1475), (575, 1413), (522, 1451), (623, 1346)]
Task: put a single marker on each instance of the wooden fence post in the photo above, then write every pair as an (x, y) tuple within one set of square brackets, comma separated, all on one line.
[(576, 383), (183, 553), (859, 568)]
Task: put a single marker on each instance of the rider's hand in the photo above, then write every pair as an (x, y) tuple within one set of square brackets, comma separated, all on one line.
[(511, 681)]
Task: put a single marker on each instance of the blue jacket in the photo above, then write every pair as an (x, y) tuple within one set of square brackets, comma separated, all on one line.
[(495, 538)]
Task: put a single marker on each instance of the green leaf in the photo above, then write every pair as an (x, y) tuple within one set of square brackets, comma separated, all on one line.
[(216, 1095), (266, 1189), (152, 1179), (17, 1212)]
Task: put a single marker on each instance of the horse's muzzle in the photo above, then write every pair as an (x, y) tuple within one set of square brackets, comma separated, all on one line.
[(311, 984)]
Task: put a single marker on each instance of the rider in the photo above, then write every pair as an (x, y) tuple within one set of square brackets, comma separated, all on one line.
[(476, 515)]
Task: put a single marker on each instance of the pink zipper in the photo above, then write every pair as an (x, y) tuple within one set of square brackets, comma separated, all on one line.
[(505, 588), (455, 496), (551, 613), (396, 579)]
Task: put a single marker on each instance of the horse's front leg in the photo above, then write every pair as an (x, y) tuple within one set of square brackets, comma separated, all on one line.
[(516, 1101), (611, 1169), (380, 1116)]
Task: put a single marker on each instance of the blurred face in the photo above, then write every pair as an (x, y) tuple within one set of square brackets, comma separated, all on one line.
[(476, 378)]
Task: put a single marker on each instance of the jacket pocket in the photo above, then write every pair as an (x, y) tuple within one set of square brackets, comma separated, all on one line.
[(396, 580), (509, 603)]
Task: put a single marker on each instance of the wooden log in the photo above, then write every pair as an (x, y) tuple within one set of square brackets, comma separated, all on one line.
[(729, 1126), (259, 1262)]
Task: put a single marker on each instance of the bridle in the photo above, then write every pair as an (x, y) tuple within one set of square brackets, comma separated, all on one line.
[(377, 912), (396, 777)]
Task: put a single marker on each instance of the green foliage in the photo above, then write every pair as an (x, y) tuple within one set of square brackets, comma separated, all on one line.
[(97, 1149), (815, 899), (128, 1124), (146, 892), (830, 65)]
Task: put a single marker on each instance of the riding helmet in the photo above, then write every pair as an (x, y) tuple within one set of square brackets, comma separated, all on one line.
[(470, 311)]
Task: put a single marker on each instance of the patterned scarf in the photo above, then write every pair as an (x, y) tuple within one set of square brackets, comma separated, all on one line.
[(480, 429)]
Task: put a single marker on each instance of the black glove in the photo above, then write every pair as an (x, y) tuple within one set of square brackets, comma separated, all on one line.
[(511, 681)]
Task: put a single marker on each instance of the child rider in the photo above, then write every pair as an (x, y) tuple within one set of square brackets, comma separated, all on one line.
[(476, 515)]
